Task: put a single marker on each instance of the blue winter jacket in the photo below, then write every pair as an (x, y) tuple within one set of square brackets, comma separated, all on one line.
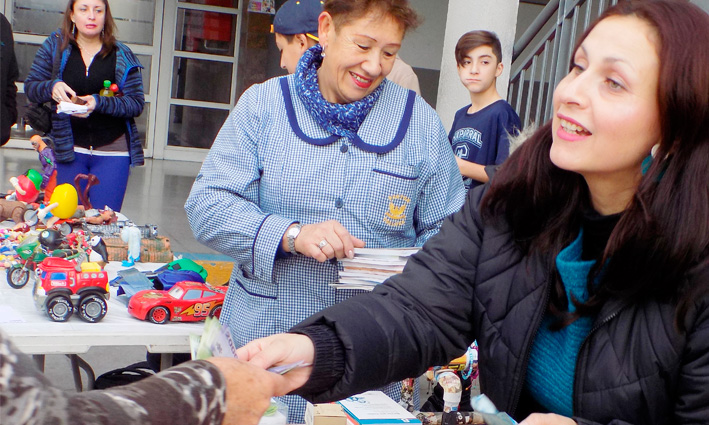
[(39, 84)]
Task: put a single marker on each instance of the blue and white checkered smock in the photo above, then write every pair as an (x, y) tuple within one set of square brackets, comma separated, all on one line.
[(260, 177)]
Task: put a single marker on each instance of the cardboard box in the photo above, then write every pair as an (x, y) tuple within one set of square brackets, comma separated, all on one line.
[(325, 414), (151, 250)]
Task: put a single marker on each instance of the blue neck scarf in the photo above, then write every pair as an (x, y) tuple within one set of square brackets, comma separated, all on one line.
[(343, 120)]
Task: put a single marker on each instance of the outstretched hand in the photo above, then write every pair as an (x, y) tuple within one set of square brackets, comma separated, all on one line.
[(248, 390), (279, 350)]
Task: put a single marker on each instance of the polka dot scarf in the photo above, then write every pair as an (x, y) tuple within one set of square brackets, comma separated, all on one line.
[(343, 120)]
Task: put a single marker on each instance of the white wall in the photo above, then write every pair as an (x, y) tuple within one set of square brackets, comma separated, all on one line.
[(499, 16), (704, 4), (423, 47)]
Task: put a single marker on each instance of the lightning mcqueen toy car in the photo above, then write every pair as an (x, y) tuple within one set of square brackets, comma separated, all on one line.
[(184, 302)]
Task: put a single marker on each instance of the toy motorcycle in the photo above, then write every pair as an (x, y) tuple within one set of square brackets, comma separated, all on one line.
[(33, 250)]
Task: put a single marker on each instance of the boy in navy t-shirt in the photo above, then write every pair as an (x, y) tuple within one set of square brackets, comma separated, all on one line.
[(480, 131)]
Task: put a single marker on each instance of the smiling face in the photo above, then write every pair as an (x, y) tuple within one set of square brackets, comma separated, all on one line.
[(358, 55), (479, 69), (89, 17), (606, 109)]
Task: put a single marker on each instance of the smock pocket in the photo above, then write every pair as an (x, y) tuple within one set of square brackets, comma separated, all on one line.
[(393, 196)]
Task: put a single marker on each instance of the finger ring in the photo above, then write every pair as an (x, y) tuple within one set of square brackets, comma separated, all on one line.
[(322, 244)]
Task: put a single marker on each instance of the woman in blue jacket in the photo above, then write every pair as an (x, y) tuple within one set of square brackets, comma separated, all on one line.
[(73, 63)]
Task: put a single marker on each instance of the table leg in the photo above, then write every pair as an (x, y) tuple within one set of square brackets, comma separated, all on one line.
[(39, 361), (165, 361), (78, 363)]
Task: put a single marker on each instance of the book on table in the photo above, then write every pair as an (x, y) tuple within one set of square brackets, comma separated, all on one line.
[(376, 408)]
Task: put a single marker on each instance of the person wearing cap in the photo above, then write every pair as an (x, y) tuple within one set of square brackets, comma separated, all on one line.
[(296, 27), (310, 166)]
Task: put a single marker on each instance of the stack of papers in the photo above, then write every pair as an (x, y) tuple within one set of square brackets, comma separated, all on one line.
[(372, 266), (71, 108), (374, 407)]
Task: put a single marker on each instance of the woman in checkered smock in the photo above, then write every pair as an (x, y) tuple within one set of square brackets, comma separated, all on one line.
[(309, 166)]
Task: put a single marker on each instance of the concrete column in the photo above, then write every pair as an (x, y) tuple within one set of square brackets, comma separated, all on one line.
[(499, 16)]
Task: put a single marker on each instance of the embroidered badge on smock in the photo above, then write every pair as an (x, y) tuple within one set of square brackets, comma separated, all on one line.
[(396, 214)]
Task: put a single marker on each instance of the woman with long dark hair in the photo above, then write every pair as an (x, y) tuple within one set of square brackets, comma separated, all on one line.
[(582, 269), (74, 63)]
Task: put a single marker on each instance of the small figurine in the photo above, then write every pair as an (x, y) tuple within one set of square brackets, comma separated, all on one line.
[(99, 217), (131, 235), (99, 247), (25, 189), (49, 166)]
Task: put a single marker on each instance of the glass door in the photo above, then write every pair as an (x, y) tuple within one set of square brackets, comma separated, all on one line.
[(198, 71)]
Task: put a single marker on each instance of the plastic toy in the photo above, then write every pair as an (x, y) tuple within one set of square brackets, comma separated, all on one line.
[(131, 235), (63, 204), (25, 189), (131, 281), (60, 288), (91, 180), (49, 167), (99, 247), (33, 250), (67, 201), (185, 302)]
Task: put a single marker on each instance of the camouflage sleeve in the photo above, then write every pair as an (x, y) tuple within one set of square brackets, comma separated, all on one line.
[(190, 393)]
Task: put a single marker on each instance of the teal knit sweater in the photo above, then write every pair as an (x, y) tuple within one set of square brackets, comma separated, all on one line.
[(552, 362)]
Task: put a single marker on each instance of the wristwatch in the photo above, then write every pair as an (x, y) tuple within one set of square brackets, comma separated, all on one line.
[(291, 234)]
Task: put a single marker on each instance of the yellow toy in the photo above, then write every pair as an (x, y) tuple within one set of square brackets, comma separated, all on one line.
[(67, 199)]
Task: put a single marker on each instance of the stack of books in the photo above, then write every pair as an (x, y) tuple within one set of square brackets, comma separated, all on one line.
[(372, 266), (374, 407)]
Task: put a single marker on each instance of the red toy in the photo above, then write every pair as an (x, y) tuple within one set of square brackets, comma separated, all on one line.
[(184, 302), (59, 288)]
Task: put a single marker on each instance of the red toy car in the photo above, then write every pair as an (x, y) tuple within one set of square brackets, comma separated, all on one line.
[(59, 288), (184, 302)]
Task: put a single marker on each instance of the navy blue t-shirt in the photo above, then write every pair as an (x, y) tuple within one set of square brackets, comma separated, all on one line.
[(482, 137)]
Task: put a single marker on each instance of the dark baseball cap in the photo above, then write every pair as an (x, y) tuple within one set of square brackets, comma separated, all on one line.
[(298, 17)]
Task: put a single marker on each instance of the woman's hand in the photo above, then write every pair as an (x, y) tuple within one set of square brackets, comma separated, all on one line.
[(547, 419), (279, 350), (326, 240), (248, 390), (61, 92), (90, 105)]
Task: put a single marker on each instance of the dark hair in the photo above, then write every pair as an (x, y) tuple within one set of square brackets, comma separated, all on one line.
[(108, 37), (343, 11), (474, 39), (662, 238)]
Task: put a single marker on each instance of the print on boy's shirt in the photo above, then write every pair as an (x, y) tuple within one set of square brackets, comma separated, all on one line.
[(464, 140)]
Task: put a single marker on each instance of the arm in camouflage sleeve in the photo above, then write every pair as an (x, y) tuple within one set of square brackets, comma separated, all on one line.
[(191, 393)]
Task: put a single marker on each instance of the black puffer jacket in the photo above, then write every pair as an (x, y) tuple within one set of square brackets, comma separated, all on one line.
[(472, 282)]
